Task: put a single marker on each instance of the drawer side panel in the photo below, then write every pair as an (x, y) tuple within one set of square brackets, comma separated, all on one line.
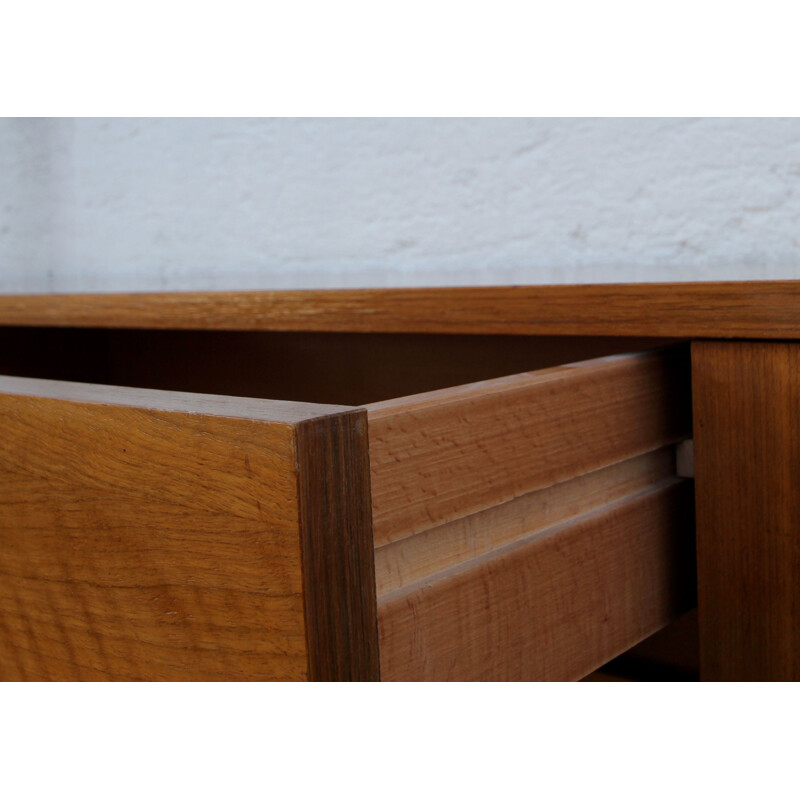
[(552, 606), (444, 455)]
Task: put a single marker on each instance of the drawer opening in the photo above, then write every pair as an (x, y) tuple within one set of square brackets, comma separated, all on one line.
[(524, 522), (335, 368)]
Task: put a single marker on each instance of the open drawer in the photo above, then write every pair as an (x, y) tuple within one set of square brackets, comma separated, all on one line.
[(180, 505)]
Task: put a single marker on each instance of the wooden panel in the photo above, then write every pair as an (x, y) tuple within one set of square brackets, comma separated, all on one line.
[(443, 455), (415, 557), (747, 462), (753, 309), (338, 557), (157, 536), (552, 606)]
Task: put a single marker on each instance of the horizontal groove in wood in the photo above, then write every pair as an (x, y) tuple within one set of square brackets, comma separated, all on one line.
[(410, 559), (746, 309), (552, 606), (443, 455)]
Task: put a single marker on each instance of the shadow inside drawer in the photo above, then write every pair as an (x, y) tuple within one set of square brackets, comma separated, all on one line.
[(337, 368)]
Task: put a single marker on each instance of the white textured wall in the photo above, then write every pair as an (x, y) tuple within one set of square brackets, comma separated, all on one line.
[(99, 205)]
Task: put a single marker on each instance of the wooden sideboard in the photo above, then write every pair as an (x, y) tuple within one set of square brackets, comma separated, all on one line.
[(421, 484)]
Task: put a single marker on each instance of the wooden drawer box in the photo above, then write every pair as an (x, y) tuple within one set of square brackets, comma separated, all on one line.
[(234, 505)]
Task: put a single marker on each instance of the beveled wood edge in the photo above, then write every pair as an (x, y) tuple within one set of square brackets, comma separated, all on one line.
[(531, 380), (745, 309), (276, 411), (337, 548)]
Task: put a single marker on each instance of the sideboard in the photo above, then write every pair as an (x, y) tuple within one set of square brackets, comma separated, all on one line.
[(400, 484)]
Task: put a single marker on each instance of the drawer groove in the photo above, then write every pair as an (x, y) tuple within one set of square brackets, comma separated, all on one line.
[(552, 606), (447, 454), (413, 558)]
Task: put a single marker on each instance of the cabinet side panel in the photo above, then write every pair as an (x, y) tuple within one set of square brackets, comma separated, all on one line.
[(747, 462), (139, 544)]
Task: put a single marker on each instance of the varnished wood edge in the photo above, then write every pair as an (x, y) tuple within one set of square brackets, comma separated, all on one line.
[(337, 547), (532, 380), (278, 412), (726, 309)]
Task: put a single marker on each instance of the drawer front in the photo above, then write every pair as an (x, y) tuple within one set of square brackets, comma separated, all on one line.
[(532, 527), (150, 535)]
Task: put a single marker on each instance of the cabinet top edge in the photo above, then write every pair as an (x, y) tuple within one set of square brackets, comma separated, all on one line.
[(735, 309)]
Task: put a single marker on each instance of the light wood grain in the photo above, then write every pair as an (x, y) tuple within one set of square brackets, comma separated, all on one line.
[(444, 455), (149, 536), (747, 462), (753, 309), (413, 558), (552, 606), (286, 412)]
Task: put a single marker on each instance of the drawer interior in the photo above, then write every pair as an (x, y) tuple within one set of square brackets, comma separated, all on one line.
[(336, 368)]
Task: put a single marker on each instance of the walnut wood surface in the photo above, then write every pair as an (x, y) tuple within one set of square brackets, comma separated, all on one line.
[(752, 309), (338, 556), (747, 463), (440, 456), (154, 536), (554, 605)]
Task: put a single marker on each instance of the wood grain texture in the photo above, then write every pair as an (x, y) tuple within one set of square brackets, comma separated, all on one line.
[(747, 462), (751, 309), (553, 606), (415, 557), (338, 558), (154, 536), (444, 455)]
